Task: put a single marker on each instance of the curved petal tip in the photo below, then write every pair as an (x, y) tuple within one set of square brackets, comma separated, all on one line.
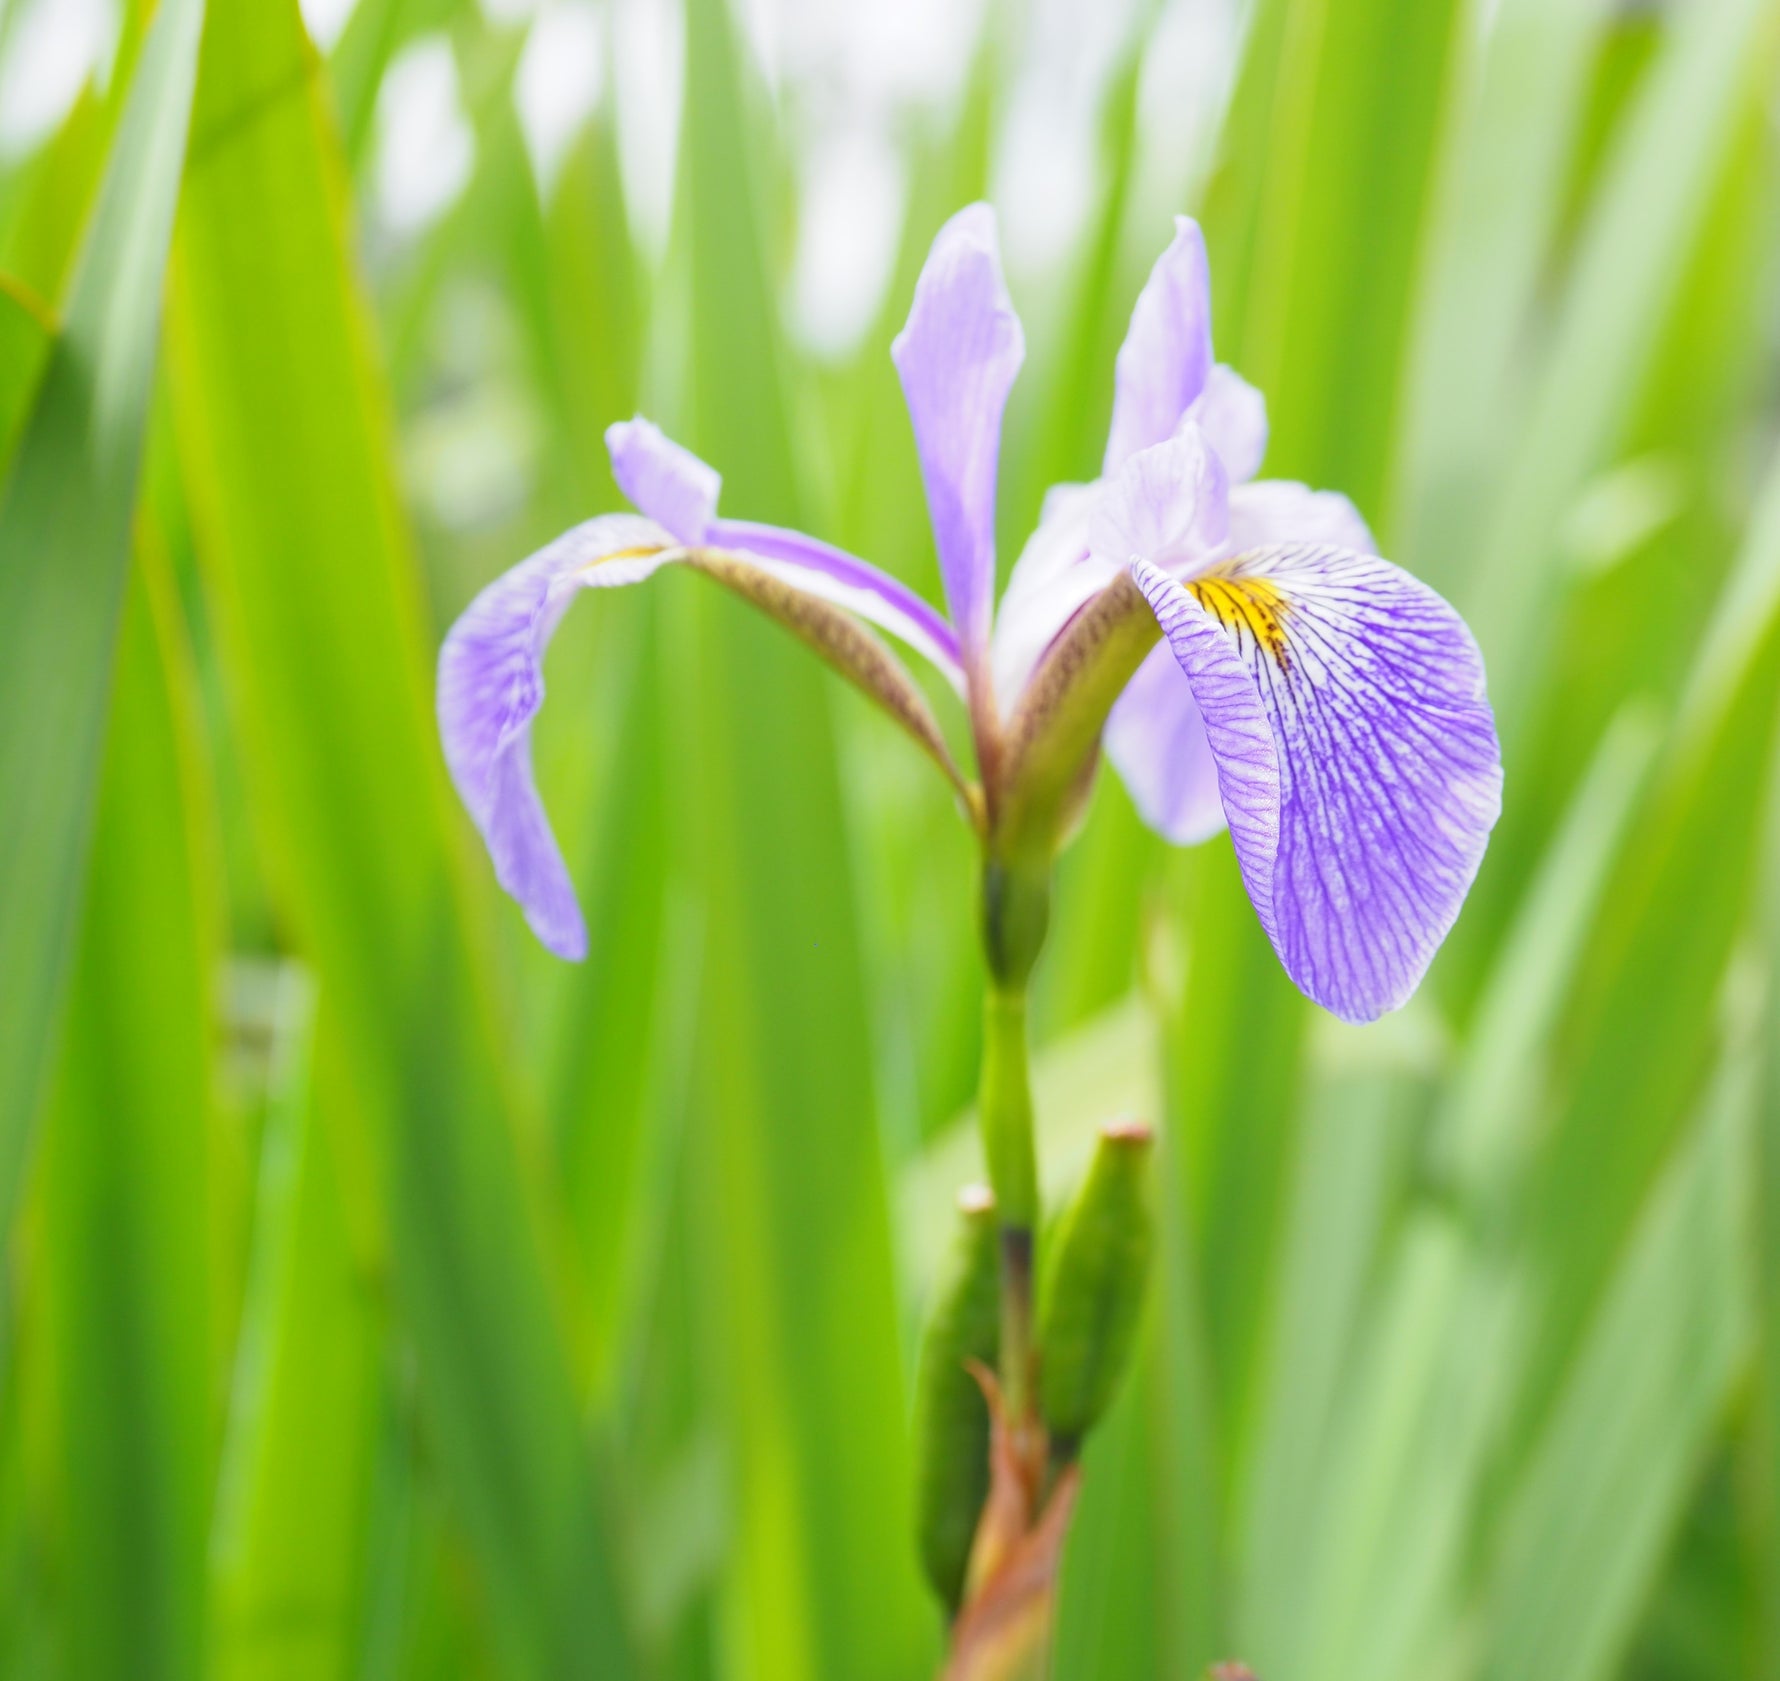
[(490, 687), (668, 483)]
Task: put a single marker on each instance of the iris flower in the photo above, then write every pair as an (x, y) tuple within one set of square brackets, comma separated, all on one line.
[(1237, 645)]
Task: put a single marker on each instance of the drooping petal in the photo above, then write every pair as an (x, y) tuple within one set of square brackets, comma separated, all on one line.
[(1169, 505), (1233, 416), (1055, 574), (491, 684), (1386, 777), (957, 358), (668, 483), (1235, 727), (679, 492), (1154, 735), (1166, 355), (1155, 738), (1278, 511)]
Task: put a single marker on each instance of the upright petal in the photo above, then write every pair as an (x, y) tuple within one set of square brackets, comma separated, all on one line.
[(1055, 574), (957, 358), (1233, 416), (1278, 511), (1387, 776), (1166, 356), (1169, 505), (491, 684)]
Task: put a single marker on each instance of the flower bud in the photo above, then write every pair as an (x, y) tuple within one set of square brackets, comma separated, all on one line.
[(951, 1416), (1093, 1286)]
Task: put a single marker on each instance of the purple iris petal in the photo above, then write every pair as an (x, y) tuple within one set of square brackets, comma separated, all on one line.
[(1155, 738), (1166, 356), (957, 358), (1233, 416), (1169, 505), (1154, 735), (1387, 775), (836, 576), (679, 492), (1275, 511), (1053, 577), (491, 684), (670, 484)]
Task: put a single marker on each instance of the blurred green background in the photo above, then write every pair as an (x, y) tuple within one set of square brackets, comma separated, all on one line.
[(385, 1299)]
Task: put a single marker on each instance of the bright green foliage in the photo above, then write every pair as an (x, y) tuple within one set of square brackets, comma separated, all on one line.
[(124, 1180), (387, 1300), (64, 549)]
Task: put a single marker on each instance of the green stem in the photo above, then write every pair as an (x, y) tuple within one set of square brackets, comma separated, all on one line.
[(1005, 1110)]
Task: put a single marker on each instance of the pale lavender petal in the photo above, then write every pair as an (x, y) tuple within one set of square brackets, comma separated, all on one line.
[(491, 684), (1166, 355), (1388, 773), (679, 492), (1168, 505), (957, 358), (1278, 511), (1233, 726), (1053, 577), (1233, 416), (668, 483), (1155, 738), (822, 570)]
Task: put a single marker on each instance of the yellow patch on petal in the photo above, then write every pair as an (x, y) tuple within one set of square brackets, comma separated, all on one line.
[(1250, 604), (639, 553)]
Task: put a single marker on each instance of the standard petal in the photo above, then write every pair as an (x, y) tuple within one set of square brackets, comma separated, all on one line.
[(668, 483), (1233, 416), (1168, 505), (957, 358), (491, 684), (1155, 738), (1274, 512), (1054, 576), (1166, 355), (1387, 773)]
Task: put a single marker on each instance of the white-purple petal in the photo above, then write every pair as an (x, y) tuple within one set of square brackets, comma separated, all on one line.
[(1053, 577), (679, 492), (1168, 505), (957, 358), (491, 684), (832, 574), (1155, 738), (1166, 356), (1271, 512), (1233, 416), (667, 482), (1387, 773)]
